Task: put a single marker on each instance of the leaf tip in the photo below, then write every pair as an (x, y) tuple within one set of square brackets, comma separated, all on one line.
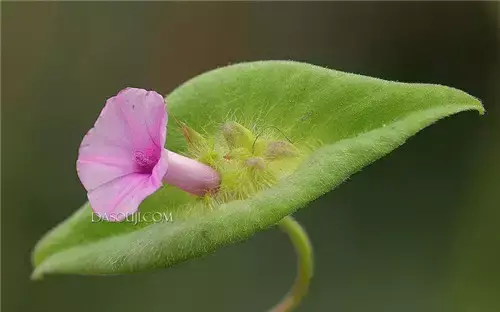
[(478, 105), (480, 108), (36, 275), (37, 253)]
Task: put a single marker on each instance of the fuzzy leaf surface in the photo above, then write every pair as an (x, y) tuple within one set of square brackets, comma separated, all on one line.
[(350, 120)]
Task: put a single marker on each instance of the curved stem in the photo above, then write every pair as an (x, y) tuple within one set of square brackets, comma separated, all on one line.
[(303, 248)]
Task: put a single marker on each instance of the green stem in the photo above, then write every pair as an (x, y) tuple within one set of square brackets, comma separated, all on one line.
[(303, 248)]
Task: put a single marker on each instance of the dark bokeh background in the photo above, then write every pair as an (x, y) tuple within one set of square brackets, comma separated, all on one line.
[(417, 231)]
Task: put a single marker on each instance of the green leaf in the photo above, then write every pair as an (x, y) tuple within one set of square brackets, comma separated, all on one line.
[(340, 122)]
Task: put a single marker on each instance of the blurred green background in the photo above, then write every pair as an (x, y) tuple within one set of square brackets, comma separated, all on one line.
[(418, 230)]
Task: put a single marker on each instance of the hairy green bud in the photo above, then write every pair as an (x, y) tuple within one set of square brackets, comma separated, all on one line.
[(237, 136), (280, 150)]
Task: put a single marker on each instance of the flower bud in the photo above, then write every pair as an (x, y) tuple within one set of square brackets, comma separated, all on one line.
[(256, 162), (280, 150), (237, 136), (192, 137)]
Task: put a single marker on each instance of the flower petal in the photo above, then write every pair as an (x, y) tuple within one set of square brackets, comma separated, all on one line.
[(134, 119), (160, 169), (119, 198), (145, 116)]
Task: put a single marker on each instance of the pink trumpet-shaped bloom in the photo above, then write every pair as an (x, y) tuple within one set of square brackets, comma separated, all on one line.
[(122, 160)]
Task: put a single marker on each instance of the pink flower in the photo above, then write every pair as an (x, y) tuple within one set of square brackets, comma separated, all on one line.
[(122, 160)]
